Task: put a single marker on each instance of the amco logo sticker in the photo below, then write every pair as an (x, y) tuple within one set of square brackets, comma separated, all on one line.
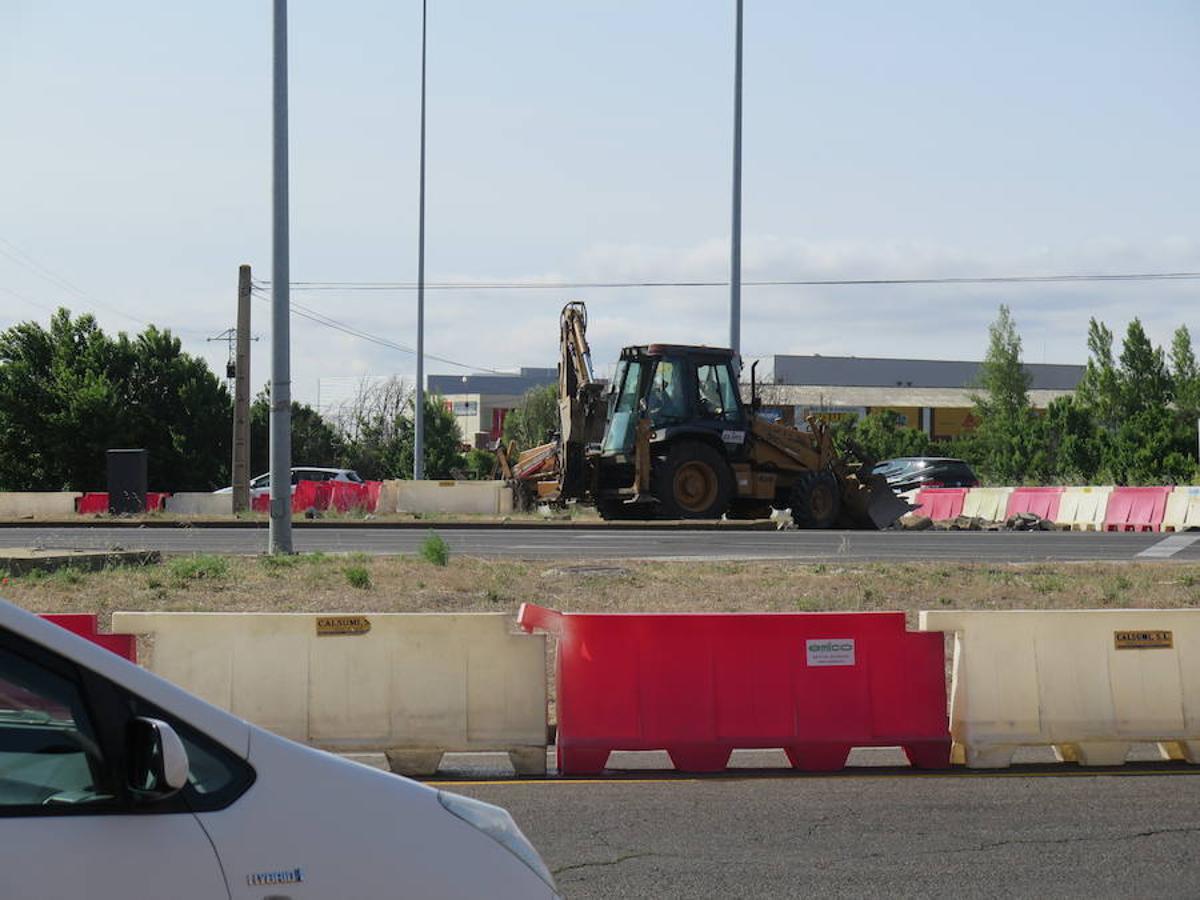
[(830, 651)]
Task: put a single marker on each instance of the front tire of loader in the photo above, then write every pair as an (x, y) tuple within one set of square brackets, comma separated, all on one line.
[(693, 482), (816, 500)]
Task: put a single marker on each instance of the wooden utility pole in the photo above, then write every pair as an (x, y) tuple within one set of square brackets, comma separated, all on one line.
[(241, 397)]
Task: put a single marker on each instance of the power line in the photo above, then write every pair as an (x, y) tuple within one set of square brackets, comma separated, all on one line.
[(795, 282), (321, 319)]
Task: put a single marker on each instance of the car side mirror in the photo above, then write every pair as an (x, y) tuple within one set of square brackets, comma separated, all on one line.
[(158, 762)]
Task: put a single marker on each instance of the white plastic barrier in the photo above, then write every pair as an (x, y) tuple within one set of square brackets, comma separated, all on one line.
[(194, 503), (1183, 509), (37, 504), (493, 498), (411, 684), (389, 497), (988, 504), (1086, 682), (1083, 508)]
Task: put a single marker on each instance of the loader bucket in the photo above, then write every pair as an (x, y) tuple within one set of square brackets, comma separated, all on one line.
[(883, 506)]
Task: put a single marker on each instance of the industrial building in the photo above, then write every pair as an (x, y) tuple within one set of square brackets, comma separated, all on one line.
[(933, 395)]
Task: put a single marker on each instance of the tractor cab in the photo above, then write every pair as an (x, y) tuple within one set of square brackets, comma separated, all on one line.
[(681, 390)]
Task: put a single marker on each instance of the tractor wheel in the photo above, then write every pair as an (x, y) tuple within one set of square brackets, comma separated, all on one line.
[(816, 500), (693, 482)]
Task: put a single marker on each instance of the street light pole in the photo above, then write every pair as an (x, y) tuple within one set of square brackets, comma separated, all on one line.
[(281, 376), (735, 244), (419, 412)]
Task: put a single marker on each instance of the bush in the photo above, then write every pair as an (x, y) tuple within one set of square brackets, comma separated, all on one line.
[(435, 550)]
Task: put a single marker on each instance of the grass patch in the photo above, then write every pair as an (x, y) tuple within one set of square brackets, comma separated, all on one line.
[(184, 570), (435, 550), (358, 577)]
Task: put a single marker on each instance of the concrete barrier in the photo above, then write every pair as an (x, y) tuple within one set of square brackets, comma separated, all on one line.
[(1087, 682), (200, 504), (411, 685), (1183, 509), (1083, 508), (492, 498), (37, 504), (988, 504)]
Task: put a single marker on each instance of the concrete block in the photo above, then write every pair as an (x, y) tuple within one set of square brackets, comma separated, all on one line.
[(37, 504), (194, 503), (411, 685), (1086, 682), (491, 498)]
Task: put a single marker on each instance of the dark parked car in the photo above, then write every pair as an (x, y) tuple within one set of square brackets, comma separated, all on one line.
[(907, 473)]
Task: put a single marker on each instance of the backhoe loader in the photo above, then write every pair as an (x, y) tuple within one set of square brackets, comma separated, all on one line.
[(670, 438)]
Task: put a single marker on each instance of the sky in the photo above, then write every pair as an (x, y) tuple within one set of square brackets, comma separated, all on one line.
[(591, 140)]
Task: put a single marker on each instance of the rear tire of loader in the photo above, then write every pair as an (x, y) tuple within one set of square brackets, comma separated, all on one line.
[(816, 500), (693, 482)]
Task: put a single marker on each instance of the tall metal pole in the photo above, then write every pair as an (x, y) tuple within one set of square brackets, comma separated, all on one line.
[(735, 244), (281, 375), (419, 411)]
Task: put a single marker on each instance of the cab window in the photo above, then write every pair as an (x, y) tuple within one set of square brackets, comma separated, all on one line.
[(716, 394), (665, 400), (49, 755)]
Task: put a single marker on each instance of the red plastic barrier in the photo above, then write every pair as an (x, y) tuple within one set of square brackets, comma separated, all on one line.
[(84, 625), (373, 490), (346, 495), (1136, 508), (97, 502), (92, 503), (260, 503), (940, 503), (305, 496), (700, 686), (1041, 501)]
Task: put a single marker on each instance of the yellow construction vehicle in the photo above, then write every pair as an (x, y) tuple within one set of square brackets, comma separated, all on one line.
[(671, 438)]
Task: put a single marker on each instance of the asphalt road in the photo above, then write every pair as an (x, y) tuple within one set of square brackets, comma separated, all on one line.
[(1066, 834), (652, 543)]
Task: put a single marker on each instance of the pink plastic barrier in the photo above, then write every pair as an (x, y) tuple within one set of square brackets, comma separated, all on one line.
[(156, 501), (1041, 501), (940, 503), (92, 503), (84, 625), (1136, 509)]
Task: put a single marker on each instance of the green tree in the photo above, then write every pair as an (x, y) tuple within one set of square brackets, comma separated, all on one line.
[(1186, 377), (533, 419), (1070, 450), (881, 435), (68, 393), (443, 445), (1099, 390), (1007, 436), (314, 441)]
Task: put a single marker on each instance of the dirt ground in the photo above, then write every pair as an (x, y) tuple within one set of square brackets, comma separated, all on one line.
[(360, 583)]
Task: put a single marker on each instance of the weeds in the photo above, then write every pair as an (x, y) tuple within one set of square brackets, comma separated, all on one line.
[(435, 550), (201, 567), (358, 577)]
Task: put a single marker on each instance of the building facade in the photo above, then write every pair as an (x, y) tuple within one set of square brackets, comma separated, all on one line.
[(932, 395), (480, 403)]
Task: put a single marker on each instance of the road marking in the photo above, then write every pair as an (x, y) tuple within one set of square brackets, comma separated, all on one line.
[(1170, 546)]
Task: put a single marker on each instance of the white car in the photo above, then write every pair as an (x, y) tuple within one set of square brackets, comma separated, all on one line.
[(116, 784), (261, 484)]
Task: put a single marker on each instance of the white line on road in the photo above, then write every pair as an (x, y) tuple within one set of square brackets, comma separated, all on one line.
[(1169, 546)]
